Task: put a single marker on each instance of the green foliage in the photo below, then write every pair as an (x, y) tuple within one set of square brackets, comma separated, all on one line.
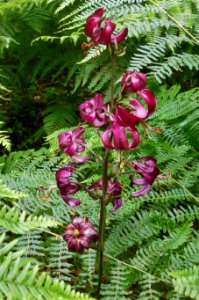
[(43, 68), (186, 282), (21, 279), (151, 249)]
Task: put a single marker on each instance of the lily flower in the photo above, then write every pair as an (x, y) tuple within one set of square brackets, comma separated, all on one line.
[(114, 189), (103, 35), (115, 137), (120, 36), (63, 174), (66, 185), (133, 81), (79, 234), (145, 166), (150, 100), (93, 111), (71, 143), (136, 111)]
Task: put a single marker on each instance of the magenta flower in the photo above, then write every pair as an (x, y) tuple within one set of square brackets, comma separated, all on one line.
[(66, 185), (120, 36), (114, 189), (147, 168), (93, 111), (133, 81), (103, 35), (63, 174), (150, 100), (136, 111), (71, 143), (79, 234), (115, 137)]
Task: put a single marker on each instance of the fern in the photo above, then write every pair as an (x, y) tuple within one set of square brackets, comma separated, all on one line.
[(16, 222), (186, 282), (30, 284)]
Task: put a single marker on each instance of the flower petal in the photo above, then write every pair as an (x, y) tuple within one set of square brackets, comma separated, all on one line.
[(120, 36), (142, 192), (150, 100)]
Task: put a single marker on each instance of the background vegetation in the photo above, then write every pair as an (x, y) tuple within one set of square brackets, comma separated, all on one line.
[(152, 242)]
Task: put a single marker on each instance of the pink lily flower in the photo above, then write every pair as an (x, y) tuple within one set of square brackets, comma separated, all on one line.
[(71, 143), (103, 35), (133, 81), (147, 168), (79, 234), (94, 112), (115, 137)]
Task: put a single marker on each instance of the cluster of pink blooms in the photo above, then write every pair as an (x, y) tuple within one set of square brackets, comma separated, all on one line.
[(119, 133)]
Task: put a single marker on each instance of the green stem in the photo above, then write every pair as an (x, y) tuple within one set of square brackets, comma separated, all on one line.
[(102, 222)]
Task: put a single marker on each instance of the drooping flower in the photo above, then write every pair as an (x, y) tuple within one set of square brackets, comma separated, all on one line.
[(133, 81), (93, 111), (150, 100), (103, 35), (66, 185), (115, 137), (71, 144), (63, 174), (79, 234), (147, 168), (114, 189), (120, 36), (136, 111)]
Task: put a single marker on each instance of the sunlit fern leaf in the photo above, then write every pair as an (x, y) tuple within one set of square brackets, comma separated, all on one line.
[(186, 282), (16, 222), (7, 193)]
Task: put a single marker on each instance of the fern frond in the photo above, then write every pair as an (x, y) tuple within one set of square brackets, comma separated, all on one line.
[(7, 193), (117, 287), (186, 282), (16, 222), (21, 279)]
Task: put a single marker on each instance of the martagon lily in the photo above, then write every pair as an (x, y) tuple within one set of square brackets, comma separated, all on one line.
[(94, 111), (79, 234), (136, 111), (66, 185), (103, 34), (71, 143), (115, 137), (133, 81), (147, 168), (114, 189)]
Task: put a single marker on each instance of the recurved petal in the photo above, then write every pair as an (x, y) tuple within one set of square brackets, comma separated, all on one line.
[(150, 100), (80, 159), (105, 35), (117, 203), (124, 118), (120, 140), (135, 138), (142, 192), (71, 201), (120, 36)]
